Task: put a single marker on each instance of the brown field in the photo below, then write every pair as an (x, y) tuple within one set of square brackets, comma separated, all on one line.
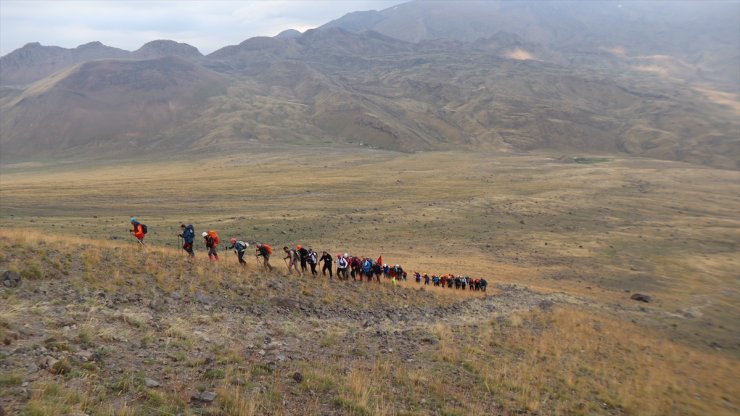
[(578, 234)]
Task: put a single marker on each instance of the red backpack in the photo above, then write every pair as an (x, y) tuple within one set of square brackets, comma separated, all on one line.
[(214, 236), (268, 248)]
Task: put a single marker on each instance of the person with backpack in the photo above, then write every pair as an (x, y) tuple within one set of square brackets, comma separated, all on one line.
[(313, 261), (328, 260), (187, 234), (264, 251), (293, 258), (139, 230), (239, 247), (377, 270), (303, 256), (342, 264), (367, 269), (211, 240)]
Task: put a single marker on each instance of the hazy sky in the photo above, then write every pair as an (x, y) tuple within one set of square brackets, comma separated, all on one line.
[(128, 24)]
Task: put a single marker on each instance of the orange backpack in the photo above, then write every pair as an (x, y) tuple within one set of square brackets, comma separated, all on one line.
[(215, 237), (268, 248)]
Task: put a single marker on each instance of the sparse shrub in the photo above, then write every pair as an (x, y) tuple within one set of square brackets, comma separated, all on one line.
[(214, 374), (31, 270), (10, 379), (61, 367), (85, 338)]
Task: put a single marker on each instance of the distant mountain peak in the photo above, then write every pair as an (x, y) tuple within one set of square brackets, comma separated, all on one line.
[(164, 47), (288, 34)]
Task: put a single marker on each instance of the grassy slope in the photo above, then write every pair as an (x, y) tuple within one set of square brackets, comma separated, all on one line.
[(115, 315), (589, 230)]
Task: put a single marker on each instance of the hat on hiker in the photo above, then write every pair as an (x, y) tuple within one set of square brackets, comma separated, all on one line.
[(233, 240), (204, 234), (133, 219), (298, 247)]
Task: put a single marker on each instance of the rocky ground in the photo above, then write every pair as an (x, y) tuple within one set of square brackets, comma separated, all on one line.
[(103, 329), (183, 342)]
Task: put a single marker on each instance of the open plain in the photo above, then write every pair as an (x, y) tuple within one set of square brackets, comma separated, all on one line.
[(563, 239)]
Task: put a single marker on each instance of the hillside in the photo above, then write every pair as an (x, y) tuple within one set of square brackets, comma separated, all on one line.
[(95, 326), (555, 76)]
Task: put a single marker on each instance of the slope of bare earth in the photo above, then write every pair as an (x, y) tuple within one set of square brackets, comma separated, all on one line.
[(339, 87), (582, 232)]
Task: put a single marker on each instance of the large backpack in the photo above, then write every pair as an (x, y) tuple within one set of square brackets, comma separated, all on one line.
[(143, 228), (268, 248), (214, 236)]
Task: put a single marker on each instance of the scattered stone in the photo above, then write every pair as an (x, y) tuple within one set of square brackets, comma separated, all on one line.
[(207, 396), (85, 355), (640, 297), (545, 305), (151, 382), (11, 279), (203, 298), (298, 377), (262, 352), (46, 361)]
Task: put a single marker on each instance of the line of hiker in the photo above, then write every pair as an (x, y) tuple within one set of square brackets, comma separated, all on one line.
[(298, 260)]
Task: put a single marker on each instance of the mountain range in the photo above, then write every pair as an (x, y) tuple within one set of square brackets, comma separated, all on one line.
[(657, 80)]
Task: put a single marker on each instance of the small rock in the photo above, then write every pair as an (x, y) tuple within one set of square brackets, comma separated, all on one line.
[(640, 297), (46, 361), (298, 377), (545, 304), (85, 355), (151, 382), (32, 369), (11, 279), (207, 396), (281, 358), (261, 352)]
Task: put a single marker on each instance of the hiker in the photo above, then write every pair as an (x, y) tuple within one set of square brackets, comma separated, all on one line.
[(417, 277), (239, 247), (303, 256), (483, 284), (313, 261), (426, 279), (187, 233), (139, 230), (211, 244), (367, 269), (293, 258), (328, 260), (355, 265), (386, 271), (264, 251), (342, 264), (377, 270)]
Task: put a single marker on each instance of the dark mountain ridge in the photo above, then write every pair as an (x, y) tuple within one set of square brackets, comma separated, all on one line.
[(353, 82)]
